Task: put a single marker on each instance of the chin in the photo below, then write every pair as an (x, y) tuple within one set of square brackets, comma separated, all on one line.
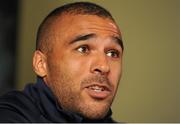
[(95, 111), (95, 114)]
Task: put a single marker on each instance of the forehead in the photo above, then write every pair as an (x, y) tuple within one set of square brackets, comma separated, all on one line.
[(82, 22), (67, 27)]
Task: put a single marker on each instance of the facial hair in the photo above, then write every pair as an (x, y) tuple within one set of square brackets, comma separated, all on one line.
[(68, 95)]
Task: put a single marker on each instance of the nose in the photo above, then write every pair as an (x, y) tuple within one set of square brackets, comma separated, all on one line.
[(100, 65)]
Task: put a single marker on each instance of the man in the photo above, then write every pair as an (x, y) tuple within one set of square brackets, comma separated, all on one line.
[(78, 61)]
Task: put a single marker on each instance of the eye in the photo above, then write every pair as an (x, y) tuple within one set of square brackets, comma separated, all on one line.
[(113, 53), (83, 49)]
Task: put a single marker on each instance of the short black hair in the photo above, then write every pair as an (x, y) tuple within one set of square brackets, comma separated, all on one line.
[(77, 8)]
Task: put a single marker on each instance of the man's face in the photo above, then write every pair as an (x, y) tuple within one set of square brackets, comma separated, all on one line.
[(84, 66)]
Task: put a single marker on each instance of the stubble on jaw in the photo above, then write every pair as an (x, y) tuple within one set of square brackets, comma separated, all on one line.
[(69, 97)]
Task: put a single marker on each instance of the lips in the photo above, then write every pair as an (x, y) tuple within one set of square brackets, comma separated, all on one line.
[(97, 88), (98, 91)]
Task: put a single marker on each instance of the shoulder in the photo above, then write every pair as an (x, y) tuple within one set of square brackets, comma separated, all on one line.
[(16, 106)]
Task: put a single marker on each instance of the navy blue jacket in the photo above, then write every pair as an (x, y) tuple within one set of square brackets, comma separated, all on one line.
[(36, 103)]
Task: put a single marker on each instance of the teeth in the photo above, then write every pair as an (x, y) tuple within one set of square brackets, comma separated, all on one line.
[(97, 88)]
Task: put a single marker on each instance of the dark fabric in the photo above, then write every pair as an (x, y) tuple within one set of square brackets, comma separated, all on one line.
[(36, 103)]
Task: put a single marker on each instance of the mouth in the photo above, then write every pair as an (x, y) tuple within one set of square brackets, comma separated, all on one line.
[(98, 91)]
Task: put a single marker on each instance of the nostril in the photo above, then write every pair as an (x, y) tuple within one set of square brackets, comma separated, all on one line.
[(101, 70), (98, 70)]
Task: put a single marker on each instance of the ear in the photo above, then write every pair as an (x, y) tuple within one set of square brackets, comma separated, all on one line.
[(39, 63)]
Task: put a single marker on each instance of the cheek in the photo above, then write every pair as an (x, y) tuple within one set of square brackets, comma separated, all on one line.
[(115, 74), (77, 67)]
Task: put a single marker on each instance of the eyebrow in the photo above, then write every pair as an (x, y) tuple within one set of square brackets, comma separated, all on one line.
[(92, 35), (82, 37), (118, 41)]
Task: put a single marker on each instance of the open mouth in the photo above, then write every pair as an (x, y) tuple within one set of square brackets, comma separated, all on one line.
[(97, 88), (98, 91)]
